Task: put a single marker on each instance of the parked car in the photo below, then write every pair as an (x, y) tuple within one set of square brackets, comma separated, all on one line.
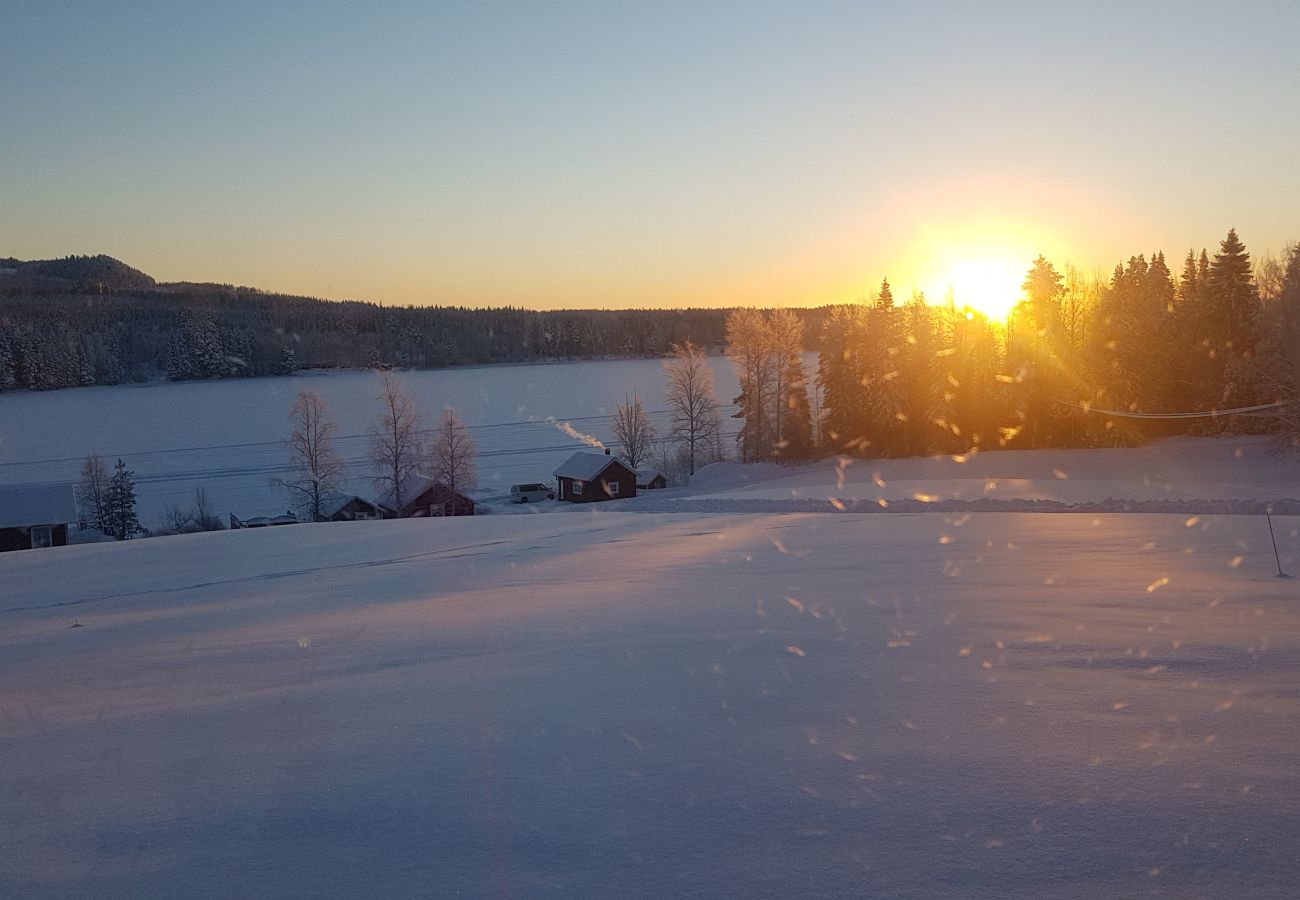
[(525, 493)]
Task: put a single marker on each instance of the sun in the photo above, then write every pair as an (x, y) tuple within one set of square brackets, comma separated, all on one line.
[(986, 285)]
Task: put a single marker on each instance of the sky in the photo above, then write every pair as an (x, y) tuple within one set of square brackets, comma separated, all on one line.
[(616, 155)]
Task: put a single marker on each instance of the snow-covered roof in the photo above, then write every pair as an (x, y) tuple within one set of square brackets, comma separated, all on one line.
[(412, 487), (37, 504), (336, 502), (647, 474), (584, 466)]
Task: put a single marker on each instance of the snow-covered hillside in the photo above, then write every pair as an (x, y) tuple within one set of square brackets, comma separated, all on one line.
[(607, 703)]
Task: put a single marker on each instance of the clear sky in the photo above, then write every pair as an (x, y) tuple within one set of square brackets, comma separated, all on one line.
[(640, 154)]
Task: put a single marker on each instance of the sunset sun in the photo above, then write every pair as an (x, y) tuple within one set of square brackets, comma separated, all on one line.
[(986, 285)]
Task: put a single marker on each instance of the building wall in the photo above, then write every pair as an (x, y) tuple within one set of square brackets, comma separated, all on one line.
[(21, 538), (595, 491)]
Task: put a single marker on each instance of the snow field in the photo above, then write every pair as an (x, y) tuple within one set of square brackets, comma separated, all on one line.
[(602, 704)]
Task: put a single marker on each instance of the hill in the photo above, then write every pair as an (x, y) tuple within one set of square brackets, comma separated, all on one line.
[(93, 274), (95, 320)]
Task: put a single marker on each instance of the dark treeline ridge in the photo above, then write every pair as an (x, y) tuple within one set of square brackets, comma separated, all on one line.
[(93, 320), (1082, 361)]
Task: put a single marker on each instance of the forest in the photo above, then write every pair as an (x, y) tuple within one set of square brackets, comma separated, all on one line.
[(1083, 360), (1080, 362)]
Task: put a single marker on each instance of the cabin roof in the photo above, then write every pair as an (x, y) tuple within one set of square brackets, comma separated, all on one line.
[(585, 466), (37, 504)]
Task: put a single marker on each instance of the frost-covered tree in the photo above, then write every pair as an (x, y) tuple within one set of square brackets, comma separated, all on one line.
[(840, 370), (8, 377), (119, 509), (92, 494), (692, 404), (396, 449), (791, 419), (632, 428), (453, 453), (315, 467)]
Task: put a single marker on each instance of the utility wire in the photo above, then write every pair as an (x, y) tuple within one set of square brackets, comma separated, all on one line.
[(1211, 414)]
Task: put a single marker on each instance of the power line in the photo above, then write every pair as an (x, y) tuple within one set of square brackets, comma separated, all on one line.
[(1211, 414)]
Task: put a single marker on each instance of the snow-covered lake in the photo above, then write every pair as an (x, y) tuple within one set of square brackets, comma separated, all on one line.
[(226, 436)]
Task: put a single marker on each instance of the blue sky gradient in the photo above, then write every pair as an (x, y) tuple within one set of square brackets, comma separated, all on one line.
[(640, 154)]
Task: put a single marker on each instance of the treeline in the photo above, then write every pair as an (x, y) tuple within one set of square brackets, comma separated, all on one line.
[(1080, 362), (84, 333)]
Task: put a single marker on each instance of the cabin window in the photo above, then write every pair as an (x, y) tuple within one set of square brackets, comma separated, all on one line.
[(577, 489), (612, 488), (42, 536)]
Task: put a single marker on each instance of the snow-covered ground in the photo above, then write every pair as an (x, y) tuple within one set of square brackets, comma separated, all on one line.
[(228, 436), (607, 703)]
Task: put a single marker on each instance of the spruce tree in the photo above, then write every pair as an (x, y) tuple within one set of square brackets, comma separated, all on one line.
[(120, 520), (1233, 300), (885, 299)]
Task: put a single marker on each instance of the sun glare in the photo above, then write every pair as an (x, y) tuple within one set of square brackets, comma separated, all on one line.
[(988, 286)]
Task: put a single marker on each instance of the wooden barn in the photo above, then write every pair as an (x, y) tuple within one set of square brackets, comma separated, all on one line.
[(423, 497), (36, 515), (593, 477)]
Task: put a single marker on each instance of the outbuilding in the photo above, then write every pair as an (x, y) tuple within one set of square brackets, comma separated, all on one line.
[(349, 508), (36, 515), (648, 479), (423, 497), (593, 477)]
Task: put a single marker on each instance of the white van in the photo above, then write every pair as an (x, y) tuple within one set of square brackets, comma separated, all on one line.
[(525, 493)]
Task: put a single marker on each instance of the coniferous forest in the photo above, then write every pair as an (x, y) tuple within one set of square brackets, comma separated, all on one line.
[(1209, 345), (1081, 362)]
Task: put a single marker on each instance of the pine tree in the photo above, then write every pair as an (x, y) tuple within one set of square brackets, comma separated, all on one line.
[(85, 372), (1043, 289), (180, 365), (8, 377), (1233, 300), (120, 520), (797, 434), (288, 361), (885, 299), (840, 374)]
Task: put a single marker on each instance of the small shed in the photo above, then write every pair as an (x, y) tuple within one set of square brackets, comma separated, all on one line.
[(350, 508), (648, 479), (36, 515), (593, 477), (423, 497)]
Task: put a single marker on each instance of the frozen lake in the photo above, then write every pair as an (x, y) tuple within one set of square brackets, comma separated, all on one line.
[(226, 436)]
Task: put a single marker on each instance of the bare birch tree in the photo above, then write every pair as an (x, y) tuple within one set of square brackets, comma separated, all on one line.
[(692, 404), (453, 453), (92, 494), (395, 447), (316, 469), (632, 427), (754, 353)]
